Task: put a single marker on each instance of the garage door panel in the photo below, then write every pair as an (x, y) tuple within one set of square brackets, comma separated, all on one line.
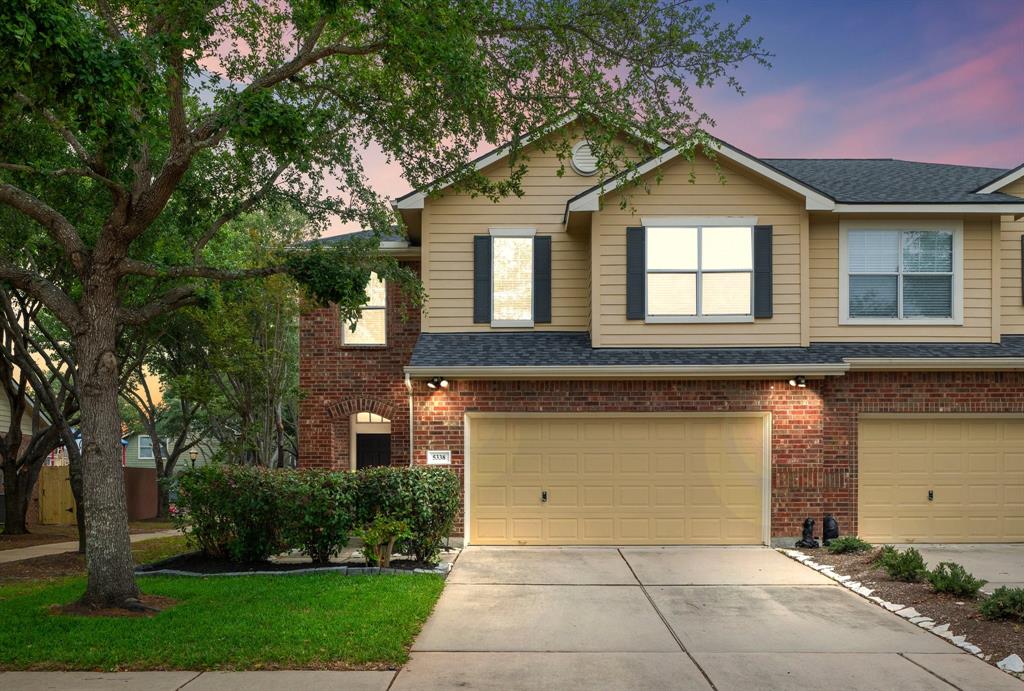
[(973, 466), (628, 480)]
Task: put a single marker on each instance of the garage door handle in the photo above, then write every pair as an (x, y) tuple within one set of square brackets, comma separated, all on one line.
[(931, 495), (543, 496)]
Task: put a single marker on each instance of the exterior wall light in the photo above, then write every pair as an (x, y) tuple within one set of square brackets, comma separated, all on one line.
[(799, 382), (437, 383)]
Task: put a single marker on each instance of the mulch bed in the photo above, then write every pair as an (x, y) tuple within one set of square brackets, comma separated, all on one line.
[(158, 602), (197, 562), (997, 639)]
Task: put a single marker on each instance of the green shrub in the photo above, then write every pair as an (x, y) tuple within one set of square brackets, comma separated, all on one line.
[(849, 543), (318, 511), (885, 555), (950, 577), (1004, 603), (249, 514), (908, 566), (426, 499), (379, 538), (231, 511)]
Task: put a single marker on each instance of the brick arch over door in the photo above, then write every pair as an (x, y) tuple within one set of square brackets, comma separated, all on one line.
[(341, 410)]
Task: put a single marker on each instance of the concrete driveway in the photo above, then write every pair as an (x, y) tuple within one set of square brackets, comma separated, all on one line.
[(673, 617), (999, 564)]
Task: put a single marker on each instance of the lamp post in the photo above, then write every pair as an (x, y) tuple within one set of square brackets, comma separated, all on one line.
[(193, 455)]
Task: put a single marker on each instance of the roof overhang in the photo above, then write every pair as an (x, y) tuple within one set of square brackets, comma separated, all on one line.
[(417, 198), (937, 364), (1002, 181), (814, 370), (1015, 210)]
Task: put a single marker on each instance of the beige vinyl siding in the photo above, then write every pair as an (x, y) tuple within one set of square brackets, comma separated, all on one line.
[(1012, 307), (741, 195), (5, 418), (824, 290), (450, 222)]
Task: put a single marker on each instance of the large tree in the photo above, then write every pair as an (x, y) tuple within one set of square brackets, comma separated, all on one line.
[(137, 129)]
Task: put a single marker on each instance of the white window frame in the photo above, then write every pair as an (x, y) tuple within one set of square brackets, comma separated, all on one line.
[(346, 331), (510, 233), (956, 227), (700, 222), (152, 454)]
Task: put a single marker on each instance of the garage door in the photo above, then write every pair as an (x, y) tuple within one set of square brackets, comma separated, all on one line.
[(972, 468), (616, 480)]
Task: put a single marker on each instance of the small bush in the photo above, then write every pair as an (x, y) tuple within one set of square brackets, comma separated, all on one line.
[(847, 544), (950, 577), (231, 511), (426, 499), (318, 511), (1004, 603), (907, 566), (379, 539), (885, 554)]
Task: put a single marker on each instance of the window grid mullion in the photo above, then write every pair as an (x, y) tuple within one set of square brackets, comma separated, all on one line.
[(700, 268)]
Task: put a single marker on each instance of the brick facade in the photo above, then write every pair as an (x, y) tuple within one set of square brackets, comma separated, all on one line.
[(814, 430), (338, 381)]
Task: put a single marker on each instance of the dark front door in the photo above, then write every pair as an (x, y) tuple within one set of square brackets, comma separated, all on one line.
[(372, 450)]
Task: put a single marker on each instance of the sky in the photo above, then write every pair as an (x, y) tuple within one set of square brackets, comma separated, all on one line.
[(923, 80)]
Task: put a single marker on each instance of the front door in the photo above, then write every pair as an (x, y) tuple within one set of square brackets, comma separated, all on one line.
[(372, 450)]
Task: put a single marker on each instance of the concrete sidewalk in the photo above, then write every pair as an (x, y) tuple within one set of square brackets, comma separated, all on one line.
[(9, 555), (196, 681)]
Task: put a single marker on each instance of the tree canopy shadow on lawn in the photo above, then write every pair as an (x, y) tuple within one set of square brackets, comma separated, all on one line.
[(316, 621)]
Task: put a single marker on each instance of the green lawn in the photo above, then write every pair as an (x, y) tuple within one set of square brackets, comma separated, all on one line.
[(253, 622)]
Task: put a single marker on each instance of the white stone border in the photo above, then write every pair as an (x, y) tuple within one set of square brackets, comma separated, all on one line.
[(908, 613)]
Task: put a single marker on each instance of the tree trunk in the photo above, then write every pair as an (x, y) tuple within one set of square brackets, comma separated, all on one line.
[(163, 499), (15, 502), (75, 474), (109, 566)]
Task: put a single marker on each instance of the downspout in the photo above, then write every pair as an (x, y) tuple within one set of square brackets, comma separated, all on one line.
[(408, 386)]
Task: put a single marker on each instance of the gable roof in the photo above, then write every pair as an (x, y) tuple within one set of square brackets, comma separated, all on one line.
[(1004, 179), (892, 181)]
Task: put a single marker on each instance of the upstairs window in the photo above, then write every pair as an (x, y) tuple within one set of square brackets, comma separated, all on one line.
[(699, 273), (512, 278), (901, 274), (145, 447), (370, 328)]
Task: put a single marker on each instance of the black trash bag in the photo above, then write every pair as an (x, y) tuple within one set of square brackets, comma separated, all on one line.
[(807, 541), (829, 529)]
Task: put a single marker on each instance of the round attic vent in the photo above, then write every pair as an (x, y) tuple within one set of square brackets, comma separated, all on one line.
[(583, 159)]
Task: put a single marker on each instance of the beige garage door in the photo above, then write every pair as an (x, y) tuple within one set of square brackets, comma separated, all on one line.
[(974, 468), (616, 480)]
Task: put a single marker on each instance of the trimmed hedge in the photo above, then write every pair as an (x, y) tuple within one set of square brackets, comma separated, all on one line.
[(248, 514)]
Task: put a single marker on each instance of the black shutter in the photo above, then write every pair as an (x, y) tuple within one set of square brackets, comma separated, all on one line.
[(542, 279), (762, 272), (636, 262), (1022, 269), (482, 279)]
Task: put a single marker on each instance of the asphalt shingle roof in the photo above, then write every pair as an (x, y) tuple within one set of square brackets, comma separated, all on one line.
[(344, 237), (568, 349), (891, 181)]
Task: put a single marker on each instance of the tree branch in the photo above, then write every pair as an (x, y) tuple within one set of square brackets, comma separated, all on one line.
[(231, 214), (175, 298), (141, 268), (44, 291), (58, 227)]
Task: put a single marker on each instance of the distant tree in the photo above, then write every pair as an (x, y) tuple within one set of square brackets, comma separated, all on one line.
[(137, 130)]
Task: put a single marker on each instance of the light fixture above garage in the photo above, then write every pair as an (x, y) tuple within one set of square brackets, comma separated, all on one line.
[(799, 382), (437, 383)]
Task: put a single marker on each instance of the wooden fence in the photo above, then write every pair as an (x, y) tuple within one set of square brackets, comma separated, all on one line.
[(56, 502)]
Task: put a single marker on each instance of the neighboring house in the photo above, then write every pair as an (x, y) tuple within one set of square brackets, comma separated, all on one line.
[(138, 453), (712, 363)]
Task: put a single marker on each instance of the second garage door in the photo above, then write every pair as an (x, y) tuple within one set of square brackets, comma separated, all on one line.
[(941, 479), (566, 480)]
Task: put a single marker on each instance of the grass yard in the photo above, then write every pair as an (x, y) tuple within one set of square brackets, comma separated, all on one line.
[(323, 621)]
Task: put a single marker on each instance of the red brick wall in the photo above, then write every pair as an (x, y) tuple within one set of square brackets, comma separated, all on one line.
[(337, 381), (814, 430)]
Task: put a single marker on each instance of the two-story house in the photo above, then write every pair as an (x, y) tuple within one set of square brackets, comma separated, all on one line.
[(709, 363)]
